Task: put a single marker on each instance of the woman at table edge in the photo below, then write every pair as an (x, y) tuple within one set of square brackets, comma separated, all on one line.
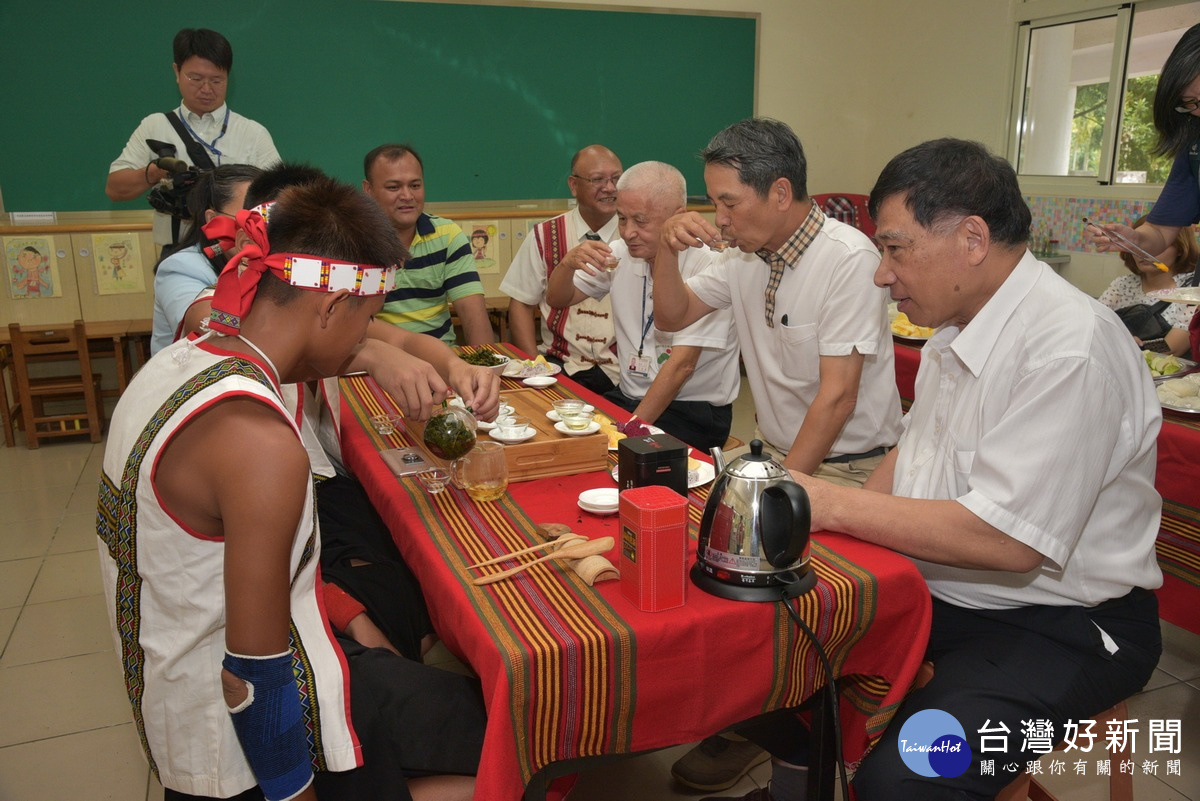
[(187, 272), (1177, 119), (1145, 277)]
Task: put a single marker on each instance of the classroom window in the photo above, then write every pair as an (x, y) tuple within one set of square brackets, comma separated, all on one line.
[(1084, 101)]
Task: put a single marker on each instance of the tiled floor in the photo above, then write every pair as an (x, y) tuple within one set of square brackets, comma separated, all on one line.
[(65, 731)]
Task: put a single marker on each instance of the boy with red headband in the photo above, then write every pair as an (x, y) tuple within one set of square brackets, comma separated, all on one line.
[(209, 542)]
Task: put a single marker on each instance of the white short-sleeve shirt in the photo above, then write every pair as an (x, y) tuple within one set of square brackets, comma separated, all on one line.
[(243, 142), (631, 288), (832, 308), (1039, 417)]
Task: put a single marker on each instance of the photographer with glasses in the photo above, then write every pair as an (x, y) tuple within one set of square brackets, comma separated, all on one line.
[(202, 132)]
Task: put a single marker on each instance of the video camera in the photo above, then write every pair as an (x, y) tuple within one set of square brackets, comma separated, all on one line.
[(170, 194)]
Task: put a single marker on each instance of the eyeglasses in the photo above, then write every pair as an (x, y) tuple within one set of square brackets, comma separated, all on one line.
[(199, 80), (1187, 106), (599, 182)]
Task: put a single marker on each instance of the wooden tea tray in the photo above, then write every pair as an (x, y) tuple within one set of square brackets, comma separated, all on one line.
[(549, 452)]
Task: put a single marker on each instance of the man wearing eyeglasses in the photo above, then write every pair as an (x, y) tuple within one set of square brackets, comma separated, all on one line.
[(581, 338), (203, 61)]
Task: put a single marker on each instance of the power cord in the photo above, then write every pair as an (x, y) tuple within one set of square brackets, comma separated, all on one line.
[(831, 693)]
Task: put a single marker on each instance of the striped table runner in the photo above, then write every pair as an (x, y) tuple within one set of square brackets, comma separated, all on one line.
[(572, 671)]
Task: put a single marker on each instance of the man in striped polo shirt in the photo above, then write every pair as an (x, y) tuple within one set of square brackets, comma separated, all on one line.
[(441, 267)]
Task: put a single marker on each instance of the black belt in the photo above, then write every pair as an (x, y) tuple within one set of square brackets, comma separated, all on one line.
[(854, 457)]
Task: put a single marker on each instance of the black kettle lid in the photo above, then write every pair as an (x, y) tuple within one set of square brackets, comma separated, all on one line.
[(756, 452)]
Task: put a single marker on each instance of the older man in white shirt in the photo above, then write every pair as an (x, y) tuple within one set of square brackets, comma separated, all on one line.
[(1023, 485), (683, 382)]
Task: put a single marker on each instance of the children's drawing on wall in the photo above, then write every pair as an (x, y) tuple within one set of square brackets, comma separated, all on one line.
[(32, 268), (483, 245), (118, 264)]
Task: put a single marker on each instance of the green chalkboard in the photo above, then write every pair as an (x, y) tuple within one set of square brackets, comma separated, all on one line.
[(495, 98)]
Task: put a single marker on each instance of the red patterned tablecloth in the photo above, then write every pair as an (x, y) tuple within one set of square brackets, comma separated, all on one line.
[(1177, 480), (574, 671)]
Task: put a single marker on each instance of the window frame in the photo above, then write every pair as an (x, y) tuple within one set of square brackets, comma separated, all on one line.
[(1065, 13)]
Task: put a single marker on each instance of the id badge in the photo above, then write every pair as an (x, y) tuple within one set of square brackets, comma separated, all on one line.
[(639, 366)]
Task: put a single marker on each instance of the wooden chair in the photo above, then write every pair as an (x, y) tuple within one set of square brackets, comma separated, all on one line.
[(1120, 785), (64, 345), (10, 413)]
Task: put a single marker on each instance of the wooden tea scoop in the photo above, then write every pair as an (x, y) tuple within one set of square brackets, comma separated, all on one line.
[(558, 542), (571, 550)]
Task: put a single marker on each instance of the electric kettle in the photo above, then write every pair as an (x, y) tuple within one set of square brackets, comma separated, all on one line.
[(753, 540)]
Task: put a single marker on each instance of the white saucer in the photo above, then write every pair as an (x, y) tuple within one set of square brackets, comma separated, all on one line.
[(601, 498), (481, 425), (592, 428), (539, 381), (553, 415), (597, 510), (530, 433)]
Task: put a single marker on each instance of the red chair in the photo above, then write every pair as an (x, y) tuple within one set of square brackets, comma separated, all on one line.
[(847, 208)]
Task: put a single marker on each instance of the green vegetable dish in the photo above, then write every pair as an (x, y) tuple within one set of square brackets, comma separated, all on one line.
[(483, 358), (1162, 365)]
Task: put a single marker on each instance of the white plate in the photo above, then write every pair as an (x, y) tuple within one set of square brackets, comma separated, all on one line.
[(1186, 367), (696, 478), (1183, 294), (482, 426), (1178, 409), (653, 430), (539, 381), (553, 415), (601, 498), (530, 433), (597, 510), (592, 428), (519, 369)]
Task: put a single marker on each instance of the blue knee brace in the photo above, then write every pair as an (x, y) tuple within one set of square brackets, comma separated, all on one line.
[(270, 724)]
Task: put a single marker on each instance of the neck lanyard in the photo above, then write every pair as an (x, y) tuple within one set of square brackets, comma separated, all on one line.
[(212, 148), (649, 320)]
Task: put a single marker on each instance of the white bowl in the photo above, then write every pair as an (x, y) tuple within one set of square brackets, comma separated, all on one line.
[(539, 381)]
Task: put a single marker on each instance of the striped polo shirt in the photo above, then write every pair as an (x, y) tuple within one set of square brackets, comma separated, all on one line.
[(441, 269)]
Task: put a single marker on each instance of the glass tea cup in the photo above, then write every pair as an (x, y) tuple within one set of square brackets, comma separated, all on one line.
[(578, 421), (611, 263), (385, 424), (565, 407), (512, 426), (435, 480), (483, 472)]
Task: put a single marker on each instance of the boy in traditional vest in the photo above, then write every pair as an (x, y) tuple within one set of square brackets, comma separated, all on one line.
[(209, 542)]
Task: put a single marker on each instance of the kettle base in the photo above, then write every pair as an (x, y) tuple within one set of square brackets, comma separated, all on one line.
[(761, 593)]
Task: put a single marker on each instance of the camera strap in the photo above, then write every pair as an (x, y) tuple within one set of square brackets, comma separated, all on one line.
[(195, 150), (196, 153)]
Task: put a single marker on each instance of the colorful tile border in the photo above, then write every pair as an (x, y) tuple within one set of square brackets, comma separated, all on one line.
[(1060, 217)]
